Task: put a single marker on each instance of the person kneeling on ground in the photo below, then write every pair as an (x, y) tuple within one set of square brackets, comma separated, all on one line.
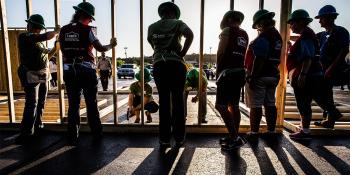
[(192, 84), (134, 102)]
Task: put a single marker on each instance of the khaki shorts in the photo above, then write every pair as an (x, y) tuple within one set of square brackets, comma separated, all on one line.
[(263, 94)]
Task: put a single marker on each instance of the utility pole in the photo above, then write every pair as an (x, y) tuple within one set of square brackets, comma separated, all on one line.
[(126, 54), (210, 55)]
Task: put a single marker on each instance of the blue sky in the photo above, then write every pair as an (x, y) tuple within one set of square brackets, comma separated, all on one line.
[(127, 18)]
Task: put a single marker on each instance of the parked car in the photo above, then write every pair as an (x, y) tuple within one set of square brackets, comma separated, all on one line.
[(127, 70)]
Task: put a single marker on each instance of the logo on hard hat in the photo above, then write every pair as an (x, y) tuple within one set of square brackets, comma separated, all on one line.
[(71, 36)]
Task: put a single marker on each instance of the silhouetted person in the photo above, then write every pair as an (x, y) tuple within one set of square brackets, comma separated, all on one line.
[(77, 40), (170, 71), (34, 73), (105, 67)]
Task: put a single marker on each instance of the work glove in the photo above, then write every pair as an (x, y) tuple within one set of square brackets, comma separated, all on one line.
[(113, 42)]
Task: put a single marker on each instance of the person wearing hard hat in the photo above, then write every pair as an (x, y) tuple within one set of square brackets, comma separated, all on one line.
[(305, 72), (135, 94), (105, 68), (192, 84), (262, 62), (334, 46), (77, 40), (34, 73), (231, 76), (165, 38)]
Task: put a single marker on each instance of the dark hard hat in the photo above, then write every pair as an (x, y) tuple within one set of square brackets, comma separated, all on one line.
[(169, 6), (299, 14), (146, 74), (326, 11), (36, 19), (87, 8), (261, 14), (234, 14)]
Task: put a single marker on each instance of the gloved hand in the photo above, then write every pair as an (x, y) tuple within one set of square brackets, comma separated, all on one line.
[(113, 42)]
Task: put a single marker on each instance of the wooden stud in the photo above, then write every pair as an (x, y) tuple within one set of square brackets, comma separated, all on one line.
[(201, 60), (232, 4), (114, 65), (29, 8), (286, 7), (261, 4), (60, 81), (142, 59), (7, 57)]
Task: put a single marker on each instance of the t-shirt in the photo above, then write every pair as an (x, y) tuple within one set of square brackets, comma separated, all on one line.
[(104, 64), (53, 67), (331, 44), (194, 83), (33, 53), (135, 89), (165, 39)]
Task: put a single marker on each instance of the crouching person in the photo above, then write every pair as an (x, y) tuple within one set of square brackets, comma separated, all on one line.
[(134, 102), (192, 84), (34, 73), (305, 73)]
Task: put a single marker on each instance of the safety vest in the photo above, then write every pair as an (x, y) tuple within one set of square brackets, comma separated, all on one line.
[(235, 51), (74, 40), (296, 63)]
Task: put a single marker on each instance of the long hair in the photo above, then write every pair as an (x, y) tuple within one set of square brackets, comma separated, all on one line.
[(77, 15)]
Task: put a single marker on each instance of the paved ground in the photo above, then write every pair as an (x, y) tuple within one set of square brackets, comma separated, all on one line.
[(49, 153)]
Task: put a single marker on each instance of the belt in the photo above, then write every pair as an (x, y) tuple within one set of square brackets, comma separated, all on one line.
[(83, 63)]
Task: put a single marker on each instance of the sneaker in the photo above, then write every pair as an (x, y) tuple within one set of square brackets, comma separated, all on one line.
[(224, 140), (325, 123), (233, 144), (300, 135)]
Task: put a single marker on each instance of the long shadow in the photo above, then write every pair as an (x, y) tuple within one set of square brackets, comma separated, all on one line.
[(265, 163), (27, 152), (341, 166), (234, 163), (158, 162), (86, 157), (276, 145)]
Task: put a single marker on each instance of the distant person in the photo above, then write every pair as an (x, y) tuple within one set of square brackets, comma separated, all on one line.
[(53, 71), (192, 84), (230, 75), (170, 71), (262, 65), (135, 94), (334, 46), (305, 73), (34, 73), (105, 67), (77, 40)]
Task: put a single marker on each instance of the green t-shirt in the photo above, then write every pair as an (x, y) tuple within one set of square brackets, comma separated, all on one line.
[(194, 83), (33, 53), (165, 38), (136, 89)]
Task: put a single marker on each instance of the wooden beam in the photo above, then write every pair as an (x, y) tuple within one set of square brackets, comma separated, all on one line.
[(232, 4), (286, 7), (261, 4), (114, 66), (201, 60), (29, 8), (60, 84), (142, 59), (7, 57)]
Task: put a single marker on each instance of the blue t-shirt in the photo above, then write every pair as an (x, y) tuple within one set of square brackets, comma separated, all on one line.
[(306, 51), (260, 47), (331, 44)]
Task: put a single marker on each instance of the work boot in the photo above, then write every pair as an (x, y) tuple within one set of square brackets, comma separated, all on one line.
[(300, 135), (233, 144)]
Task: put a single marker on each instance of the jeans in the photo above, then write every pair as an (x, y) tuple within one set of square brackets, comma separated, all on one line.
[(170, 79), (80, 79), (35, 96), (104, 75)]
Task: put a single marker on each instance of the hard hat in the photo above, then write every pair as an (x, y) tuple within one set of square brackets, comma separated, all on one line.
[(327, 10), (37, 20), (87, 8), (234, 14), (166, 6), (299, 14), (261, 14), (146, 74)]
